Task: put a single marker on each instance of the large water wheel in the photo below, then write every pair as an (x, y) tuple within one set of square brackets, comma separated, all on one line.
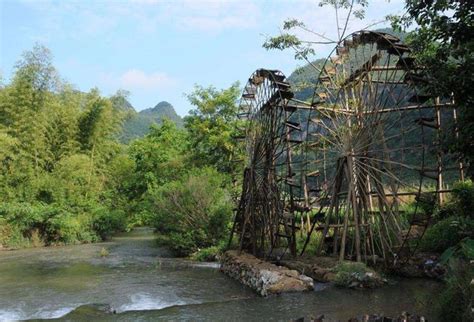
[(373, 148)]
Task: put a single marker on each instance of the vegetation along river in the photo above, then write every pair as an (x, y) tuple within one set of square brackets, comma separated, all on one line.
[(139, 281)]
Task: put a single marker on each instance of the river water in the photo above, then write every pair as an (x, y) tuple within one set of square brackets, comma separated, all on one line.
[(139, 281)]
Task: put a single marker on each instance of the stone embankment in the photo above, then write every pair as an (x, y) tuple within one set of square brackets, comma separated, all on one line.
[(263, 277), (329, 270), (320, 269)]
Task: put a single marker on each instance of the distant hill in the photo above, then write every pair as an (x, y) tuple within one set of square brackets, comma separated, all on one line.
[(138, 124)]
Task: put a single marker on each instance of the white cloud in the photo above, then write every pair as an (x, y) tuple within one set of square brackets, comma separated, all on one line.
[(150, 16), (215, 15), (82, 19), (135, 78), (138, 80)]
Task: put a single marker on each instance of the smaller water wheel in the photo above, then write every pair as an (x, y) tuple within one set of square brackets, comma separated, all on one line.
[(265, 213)]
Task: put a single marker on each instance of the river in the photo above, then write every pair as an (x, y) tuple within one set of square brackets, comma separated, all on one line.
[(139, 281)]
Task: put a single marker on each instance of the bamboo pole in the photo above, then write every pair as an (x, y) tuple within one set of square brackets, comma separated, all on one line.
[(439, 154)]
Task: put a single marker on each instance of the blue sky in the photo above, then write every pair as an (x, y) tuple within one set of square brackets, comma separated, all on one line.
[(158, 49)]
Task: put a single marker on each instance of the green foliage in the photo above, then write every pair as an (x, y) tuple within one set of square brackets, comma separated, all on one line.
[(454, 220), (120, 101), (346, 271), (464, 250), (460, 202), (57, 149), (179, 177), (158, 158), (446, 233), (208, 254), (453, 235), (212, 126), (56, 224), (455, 300), (62, 227), (357, 7), (193, 211), (463, 197), (443, 42), (312, 246), (66, 179), (305, 48), (106, 221)]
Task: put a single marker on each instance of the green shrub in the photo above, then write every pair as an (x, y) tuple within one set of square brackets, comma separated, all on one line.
[(208, 254), (11, 236), (24, 215), (460, 203), (194, 211), (426, 203), (313, 243), (345, 272), (107, 221), (63, 229), (463, 197), (182, 243), (141, 218), (449, 209), (22, 223), (5, 231), (25, 224), (446, 233), (455, 301)]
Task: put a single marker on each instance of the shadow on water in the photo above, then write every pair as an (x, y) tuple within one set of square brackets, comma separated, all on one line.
[(139, 281)]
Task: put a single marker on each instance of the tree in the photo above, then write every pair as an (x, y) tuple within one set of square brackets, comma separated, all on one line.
[(443, 40), (158, 157), (305, 48), (25, 104), (212, 126)]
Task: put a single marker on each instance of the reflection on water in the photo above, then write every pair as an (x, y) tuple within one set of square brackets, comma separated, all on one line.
[(139, 281)]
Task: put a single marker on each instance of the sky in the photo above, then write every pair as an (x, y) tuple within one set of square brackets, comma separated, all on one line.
[(159, 49)]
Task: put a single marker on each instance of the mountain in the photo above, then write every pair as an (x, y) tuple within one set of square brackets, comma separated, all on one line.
[(303, 80), (120, 103), (138, 124)]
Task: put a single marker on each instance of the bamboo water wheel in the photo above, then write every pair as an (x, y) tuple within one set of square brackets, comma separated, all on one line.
[(265, 214), (353, 159)]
